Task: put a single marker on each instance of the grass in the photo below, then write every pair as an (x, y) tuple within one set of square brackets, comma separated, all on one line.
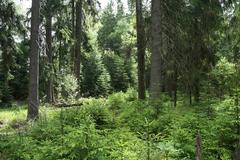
[(15, 117), (9, 116)]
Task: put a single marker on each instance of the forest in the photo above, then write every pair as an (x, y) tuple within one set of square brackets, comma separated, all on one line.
[(119, 79)]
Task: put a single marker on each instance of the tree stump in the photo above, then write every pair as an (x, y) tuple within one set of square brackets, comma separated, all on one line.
[(198, 147)]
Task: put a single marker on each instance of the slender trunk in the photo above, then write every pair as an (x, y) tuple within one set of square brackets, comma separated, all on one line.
[(164, 63), (237, 114), (60, 56), (33, 106), (4, 76), (73, 35), (236, 154), (50, 95), (196, 90), (175, 86), (141, 50), (163, 83), (78, 40), (128, 63), (190, 95), (156, 50), (237, 150)]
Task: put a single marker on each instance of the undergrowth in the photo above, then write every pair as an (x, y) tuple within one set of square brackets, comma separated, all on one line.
[(122, 128)]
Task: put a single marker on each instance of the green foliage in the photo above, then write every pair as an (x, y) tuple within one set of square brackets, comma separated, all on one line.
[(138, 109), (5, 94), (117, 38), (121, 127), (106, 37), (81, 133), (96, 79), (95, 110), (115, 65), (19, 84), (67, 89), (225, 76), (11, 26), (166, 150)]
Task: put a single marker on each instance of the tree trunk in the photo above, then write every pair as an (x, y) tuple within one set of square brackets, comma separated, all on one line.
[(237, 110), (60, 56), (33, 106), (155, 81), (141, 50), (175, 86), (236, 154), (78, 40), (190, 94), (196, 89), (50, 89), (4, 75), (73, 35)]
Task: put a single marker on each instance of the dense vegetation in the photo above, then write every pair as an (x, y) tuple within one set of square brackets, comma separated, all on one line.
[(121, 127), (136, 79)]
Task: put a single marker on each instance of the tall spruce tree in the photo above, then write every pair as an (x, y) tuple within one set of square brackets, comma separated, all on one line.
[(140, 49), (156, 46), (33, 104)]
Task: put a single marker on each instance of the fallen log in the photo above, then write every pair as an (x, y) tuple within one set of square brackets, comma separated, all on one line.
[(65, 105)]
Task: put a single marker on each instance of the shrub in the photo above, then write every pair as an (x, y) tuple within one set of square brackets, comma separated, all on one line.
[(67, 88), (96, 79), (122, 127), (115, 66), (225, 76)]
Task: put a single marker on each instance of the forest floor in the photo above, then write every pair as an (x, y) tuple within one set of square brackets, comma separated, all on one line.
[(10, 116), (120, 127), (14, 118)]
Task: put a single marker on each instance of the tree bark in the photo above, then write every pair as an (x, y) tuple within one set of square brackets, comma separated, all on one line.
[(60, 56), (6, 63), (78, 40), (50, 88), (175, 86), (73, 34), (140, 50), (155, 81), (190, 95), (196, 89), (33, 106)]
